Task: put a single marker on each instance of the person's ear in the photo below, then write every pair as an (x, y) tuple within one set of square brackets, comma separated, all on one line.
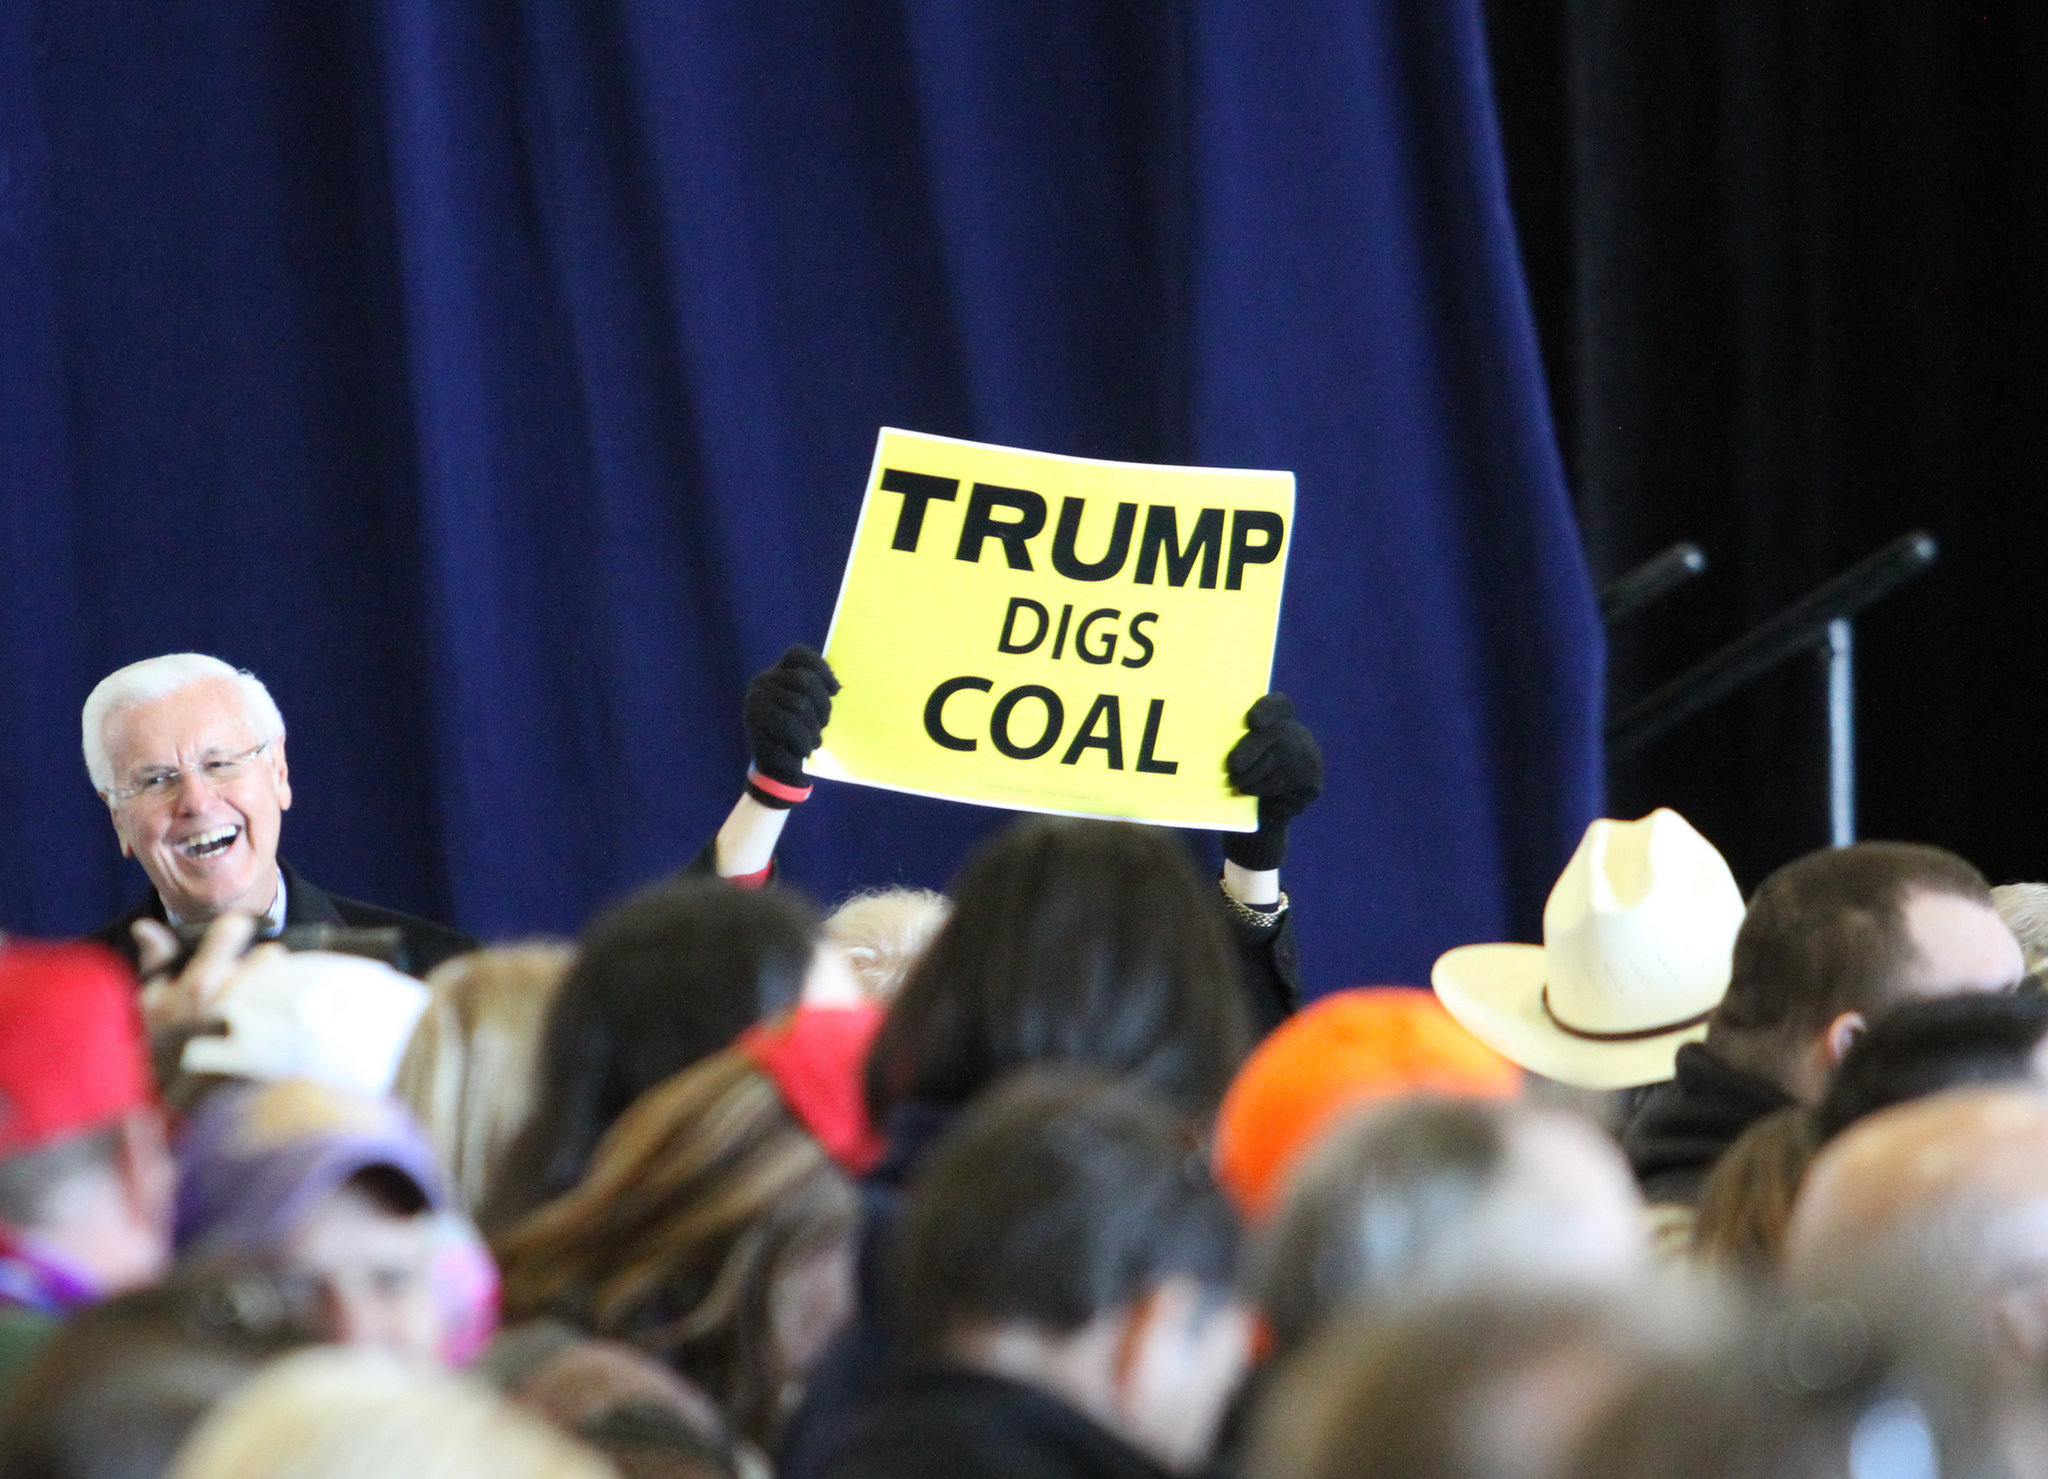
[(1841, 1032), (120, 832), (283, 772), (2021, 1316)]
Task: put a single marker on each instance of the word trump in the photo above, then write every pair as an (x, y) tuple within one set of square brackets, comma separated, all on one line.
[(1255, 534), (1054, 633)]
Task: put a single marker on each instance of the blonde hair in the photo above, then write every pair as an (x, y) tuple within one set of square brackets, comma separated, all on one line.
[(159, 677), (355, 1414), (702, 1194), (470, 1073), (2024, 908), (884, 933)]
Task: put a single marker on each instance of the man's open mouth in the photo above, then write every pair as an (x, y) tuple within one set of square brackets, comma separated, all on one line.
[(210, 844)]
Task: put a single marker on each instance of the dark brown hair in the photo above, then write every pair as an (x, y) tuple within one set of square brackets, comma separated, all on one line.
[(664, 980), (1061, 1195), (1826, 934), (1070, 942)]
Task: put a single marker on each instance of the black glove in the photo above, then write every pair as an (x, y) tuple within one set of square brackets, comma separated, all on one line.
[(785, 715), (1278, 762)]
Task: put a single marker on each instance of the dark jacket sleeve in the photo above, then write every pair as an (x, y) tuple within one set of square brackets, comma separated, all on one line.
[(1272, 968)]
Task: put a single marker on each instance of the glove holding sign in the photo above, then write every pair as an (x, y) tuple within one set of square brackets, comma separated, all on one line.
[(1065, 635), (786, 711), (1279, 762)]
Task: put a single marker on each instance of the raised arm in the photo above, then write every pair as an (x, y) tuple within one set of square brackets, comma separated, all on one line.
[(785, 713), (1279, 762)]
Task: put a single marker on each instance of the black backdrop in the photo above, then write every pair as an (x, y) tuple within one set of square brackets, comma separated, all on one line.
[(499, 382), (1791, 279)]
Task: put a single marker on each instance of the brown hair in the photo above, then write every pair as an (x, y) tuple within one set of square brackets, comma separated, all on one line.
[(697, 1200), (1746, 1203), (1826, 934)]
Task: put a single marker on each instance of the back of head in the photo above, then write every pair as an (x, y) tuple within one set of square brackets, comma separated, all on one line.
[(82, 1160), (1424, 1198), (73, 1057), (1070, 942), (1763, 1411), (1492, 1385), (334, 1414), (884, 933), (470, 1072), (703, 1196), (1932, 1206), (160, 677), (664, 980), (1346, 1049), (1918, 1048), (1060, 1197), (114, 1392), (1827, 934), (257, 1161)]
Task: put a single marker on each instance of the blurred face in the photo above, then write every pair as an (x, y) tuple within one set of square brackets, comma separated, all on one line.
[(812, 1300), (1189, 1350), (830, 981), (373, 1268), (1577, 1203), (203, 826)]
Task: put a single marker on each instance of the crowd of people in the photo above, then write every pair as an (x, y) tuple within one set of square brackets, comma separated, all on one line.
[(1055, 1176)]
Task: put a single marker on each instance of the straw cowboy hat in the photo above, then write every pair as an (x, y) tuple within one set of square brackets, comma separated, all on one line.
[(1637, 937)]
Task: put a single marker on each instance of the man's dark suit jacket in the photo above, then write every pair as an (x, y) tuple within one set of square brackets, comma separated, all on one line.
[(426, 944)]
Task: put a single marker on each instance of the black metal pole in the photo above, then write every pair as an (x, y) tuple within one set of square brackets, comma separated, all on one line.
[(1650, 581), (1800, 627)]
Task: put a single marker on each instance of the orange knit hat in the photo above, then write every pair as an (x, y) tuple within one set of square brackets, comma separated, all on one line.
[(1367, 1043)]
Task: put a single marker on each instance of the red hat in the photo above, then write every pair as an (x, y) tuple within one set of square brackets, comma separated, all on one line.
[(73, 1055), (817, 1056), (1351, 1046)]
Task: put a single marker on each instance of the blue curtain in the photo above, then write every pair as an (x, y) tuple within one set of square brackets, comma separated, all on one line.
[(499, 382)]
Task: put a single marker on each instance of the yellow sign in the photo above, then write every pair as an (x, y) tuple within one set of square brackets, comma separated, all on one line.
[(1054, 633)]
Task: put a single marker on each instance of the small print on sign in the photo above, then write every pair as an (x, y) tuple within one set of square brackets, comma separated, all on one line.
[(1054, 633)]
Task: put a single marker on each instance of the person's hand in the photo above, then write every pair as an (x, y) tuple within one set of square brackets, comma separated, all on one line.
[(1279, 762), (185, 1002), (785, 714)]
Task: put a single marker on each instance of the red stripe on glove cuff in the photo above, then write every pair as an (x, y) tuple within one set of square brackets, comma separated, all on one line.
[(780, 790)]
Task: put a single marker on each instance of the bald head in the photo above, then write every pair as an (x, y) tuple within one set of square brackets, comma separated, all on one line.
[(1947, 1192)]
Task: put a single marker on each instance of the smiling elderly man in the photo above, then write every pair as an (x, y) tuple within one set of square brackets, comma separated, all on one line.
[(188, 754)]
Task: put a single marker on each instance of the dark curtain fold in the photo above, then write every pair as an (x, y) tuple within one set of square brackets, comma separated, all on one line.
[(1787, 264), (499, 383)]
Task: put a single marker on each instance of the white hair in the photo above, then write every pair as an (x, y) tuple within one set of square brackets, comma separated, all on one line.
[(331, 1413), (884, 933), (159, 677)]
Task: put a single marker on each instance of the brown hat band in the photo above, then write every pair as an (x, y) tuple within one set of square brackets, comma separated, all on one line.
[(1637, 1036)]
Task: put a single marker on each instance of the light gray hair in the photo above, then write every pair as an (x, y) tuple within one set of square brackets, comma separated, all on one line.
[(884, 933), (2024, 908), (159, 677)]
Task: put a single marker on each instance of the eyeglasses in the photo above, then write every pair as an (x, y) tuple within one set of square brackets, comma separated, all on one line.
[(158, 784)]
